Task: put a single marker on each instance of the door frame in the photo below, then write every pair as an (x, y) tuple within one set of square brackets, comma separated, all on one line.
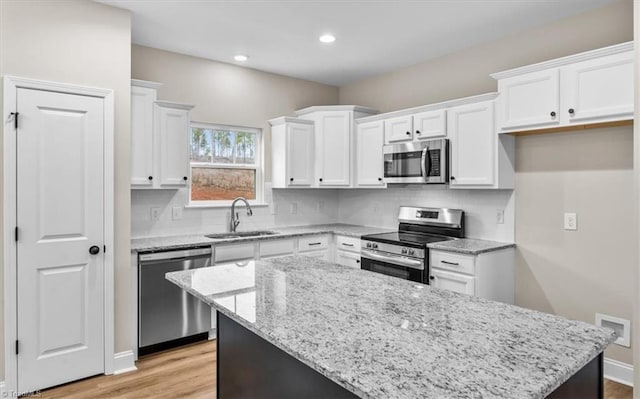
[(11, 84)]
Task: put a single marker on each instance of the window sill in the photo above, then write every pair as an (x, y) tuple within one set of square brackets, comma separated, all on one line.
[(226, 205)]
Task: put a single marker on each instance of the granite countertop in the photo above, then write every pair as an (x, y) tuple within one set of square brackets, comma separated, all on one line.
[(470, 246), (384, 337), (192, 240)]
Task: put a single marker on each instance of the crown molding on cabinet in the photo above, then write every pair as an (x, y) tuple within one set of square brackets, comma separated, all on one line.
[(430, 107), (354, 108), (288, 119), (171, 104), (558, 62), (145, 83)]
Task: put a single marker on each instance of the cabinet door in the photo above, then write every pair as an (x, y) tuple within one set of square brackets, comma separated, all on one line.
[(398, 129), (142, 99), (529, 101), (334, 148), (173, 137), (324, 255), (456, 282), (369, 157), (348, 259), (598, 90), (429, 125), (473, 142), (300, 155)]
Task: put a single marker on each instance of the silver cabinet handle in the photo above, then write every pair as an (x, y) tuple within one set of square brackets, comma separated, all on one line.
[(314, 243), (450, 263), (347, 245)]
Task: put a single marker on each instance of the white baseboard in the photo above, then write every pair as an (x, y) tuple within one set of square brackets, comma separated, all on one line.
[(618, 372), (124, 362)]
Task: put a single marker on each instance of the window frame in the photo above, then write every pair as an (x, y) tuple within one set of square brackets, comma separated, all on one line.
[(258, 165)]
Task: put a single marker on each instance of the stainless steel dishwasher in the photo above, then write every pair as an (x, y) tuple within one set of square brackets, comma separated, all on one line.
[(167, 315)]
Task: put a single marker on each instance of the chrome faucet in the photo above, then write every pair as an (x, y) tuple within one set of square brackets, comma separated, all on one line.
[(235, 221)]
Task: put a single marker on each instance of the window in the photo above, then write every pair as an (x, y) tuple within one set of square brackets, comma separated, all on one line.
[(226, 162)]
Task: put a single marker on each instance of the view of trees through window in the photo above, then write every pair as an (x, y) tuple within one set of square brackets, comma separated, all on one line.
[(223, 164)]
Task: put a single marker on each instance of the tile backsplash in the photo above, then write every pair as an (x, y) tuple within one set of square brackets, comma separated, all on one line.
[(372, 207)]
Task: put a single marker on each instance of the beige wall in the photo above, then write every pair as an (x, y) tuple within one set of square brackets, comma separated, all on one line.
[(85, 43), (227, 94), (575, 274), (636, 165), (466, 73)]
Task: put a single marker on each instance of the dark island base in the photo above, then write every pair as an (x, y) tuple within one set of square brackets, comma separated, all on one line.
[(250, 367)]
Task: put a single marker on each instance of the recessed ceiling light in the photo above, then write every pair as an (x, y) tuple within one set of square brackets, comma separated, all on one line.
[(240, 57), (327, 38)]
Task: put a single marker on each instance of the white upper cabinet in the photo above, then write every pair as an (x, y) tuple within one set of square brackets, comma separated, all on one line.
[(398, 129), (598, 90), (293, 152), (369, 157), (587, 88), (159, 139), (531, 100), (473, 139), (430, 124), (172, 127), (333, 147), (143, 96)]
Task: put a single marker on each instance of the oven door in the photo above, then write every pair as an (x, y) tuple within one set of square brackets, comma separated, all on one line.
[(393, 265), (419, 162)]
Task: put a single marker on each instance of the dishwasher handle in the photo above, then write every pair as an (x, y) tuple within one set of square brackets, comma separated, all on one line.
[(187, 253)]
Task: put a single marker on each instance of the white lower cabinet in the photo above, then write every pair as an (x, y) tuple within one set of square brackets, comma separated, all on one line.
[(489, 275), (276, 248), (349, 259), (348, 251), (316, 254)]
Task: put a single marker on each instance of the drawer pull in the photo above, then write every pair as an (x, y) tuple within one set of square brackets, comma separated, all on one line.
[(347, 245), (314, 243), (450, 263)]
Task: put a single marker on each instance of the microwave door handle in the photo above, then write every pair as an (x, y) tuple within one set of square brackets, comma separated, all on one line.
[(425, 169)]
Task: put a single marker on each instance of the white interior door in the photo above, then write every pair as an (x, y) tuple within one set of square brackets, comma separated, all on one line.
[(60, 216)]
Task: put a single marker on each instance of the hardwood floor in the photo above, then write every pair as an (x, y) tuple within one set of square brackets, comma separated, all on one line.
[(187, 372)]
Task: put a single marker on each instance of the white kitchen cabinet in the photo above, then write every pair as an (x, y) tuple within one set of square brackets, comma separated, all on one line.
[(489, 275), (172, 128), (335, 141), (234, 252), (398, 129), (430, 125), (348, 251), (348, 259), (586, 88), (369, 157), (324, 255), (293, 152), (143, 96), (276, 248)]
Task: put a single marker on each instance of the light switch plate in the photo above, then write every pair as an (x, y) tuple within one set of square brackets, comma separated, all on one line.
[(176, 213), (570, 221), (155, 213), (500, 216)]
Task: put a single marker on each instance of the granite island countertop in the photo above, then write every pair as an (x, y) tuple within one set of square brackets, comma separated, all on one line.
[(384, 337), (191, 240), (470, 246)]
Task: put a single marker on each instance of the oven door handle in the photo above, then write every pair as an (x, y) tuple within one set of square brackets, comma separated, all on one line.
[(393, 259)]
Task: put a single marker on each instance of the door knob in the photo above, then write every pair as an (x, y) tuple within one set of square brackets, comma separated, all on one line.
[(418, 132), (408, 133), (150, 178), (572, 111), (94, 250), (185, 178), (553, 114), (431, 278)]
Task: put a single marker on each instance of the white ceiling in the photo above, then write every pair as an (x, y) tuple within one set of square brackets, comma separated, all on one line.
[(373, 37)]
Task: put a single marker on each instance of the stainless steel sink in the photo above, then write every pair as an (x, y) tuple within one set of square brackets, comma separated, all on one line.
[(240, 234)]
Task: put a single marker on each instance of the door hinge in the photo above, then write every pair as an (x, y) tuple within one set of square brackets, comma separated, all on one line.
[(15, 119), (17, 347), (16, 233)]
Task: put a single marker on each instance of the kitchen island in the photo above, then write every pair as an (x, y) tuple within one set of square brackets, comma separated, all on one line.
[(302, 327)]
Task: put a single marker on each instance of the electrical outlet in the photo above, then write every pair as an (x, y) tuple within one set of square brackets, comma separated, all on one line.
[(570, 221), (176, 213), (155, 213), (500, 216), (294, 208)]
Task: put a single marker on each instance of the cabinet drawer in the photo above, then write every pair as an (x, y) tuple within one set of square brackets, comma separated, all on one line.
[(348, 259), (351, 244), (276, 248), (313, 243), (316, 254), (453, 261), (234, 252)]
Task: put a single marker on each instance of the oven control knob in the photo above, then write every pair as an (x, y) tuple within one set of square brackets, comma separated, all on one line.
[(404, 251), (369, 245), (412, 252)]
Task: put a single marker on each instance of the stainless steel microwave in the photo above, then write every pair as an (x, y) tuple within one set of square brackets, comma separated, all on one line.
[(425, 162)]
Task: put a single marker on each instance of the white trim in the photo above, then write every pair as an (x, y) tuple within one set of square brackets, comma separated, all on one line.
[(618, 371), (430, 107), (145, 83), (124, 362), (170, 104), (320, 108), (221, 204), (289, 119), (558, 62), (10, 87)]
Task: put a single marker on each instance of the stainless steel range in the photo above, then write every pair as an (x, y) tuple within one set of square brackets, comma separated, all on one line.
[(404, 253)]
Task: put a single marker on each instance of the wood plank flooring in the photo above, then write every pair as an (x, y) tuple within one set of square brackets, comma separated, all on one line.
[(187, 372)]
